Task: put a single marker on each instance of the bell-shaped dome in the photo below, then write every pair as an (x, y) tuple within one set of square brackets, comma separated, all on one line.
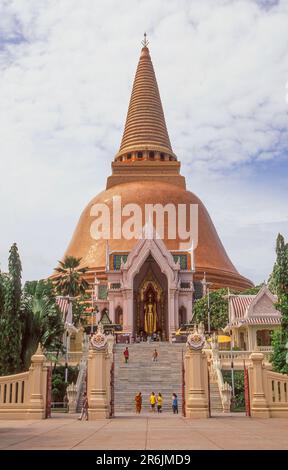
[(210, 255)]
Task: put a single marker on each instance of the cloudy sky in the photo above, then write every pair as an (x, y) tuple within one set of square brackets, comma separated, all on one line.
[(66, 73)]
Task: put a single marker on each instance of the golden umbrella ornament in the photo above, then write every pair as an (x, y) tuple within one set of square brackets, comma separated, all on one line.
[(222, 339)]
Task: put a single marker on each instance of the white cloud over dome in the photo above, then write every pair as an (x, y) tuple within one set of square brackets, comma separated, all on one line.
[(66, 72)]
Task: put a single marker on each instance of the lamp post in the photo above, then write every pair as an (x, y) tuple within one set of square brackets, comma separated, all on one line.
[(208, 304), (206, 291), (94, 296), (231, 348), (68, 323), (232, 366), (66, 357)]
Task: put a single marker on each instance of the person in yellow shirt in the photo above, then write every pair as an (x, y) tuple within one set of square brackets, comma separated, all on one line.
[(153, 401), (159, 403)]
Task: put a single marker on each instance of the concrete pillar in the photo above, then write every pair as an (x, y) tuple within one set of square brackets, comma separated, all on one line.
[(250, 339), (130, 311), (259, 405), (196, 377), (176, 312), (171, 311), (98, 379), (36, 406), (189, 307), (111, 308)]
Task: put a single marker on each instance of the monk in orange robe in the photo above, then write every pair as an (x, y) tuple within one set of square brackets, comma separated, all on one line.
[(138, 402)]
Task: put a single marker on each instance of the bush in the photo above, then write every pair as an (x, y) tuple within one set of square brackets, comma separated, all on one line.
[(58, 381)]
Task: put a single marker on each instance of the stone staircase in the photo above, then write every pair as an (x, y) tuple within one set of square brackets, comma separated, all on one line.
[(143, 375), (215, 398)]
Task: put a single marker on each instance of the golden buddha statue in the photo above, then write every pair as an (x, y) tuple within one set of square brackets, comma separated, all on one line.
[(150, 317)]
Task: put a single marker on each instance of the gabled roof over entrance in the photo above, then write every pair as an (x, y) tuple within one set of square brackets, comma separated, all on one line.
[(155, 247)]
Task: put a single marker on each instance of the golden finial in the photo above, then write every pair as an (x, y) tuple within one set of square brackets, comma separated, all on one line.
[(145, 42)]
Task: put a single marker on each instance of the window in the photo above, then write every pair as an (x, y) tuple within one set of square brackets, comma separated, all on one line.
[(102, 292), (119, 315), (115, 285), (162, 156), (183, 261), (139, 154), (185, 285), (117, 261), (198, 290), (263, 337), (129, 156), (151, 155), (182, 316)]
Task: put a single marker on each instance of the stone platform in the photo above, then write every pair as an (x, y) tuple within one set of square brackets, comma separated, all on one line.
[(145, 432)]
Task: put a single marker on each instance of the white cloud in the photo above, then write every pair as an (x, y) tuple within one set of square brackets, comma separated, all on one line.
[(66, 71)]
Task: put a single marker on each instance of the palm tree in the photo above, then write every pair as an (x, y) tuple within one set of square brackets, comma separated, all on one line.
[(41, 320), (70, 281)]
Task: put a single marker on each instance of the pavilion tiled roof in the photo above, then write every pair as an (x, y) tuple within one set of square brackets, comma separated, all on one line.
[(240, 304)]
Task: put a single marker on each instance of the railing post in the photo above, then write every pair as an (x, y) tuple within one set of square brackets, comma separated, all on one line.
[(196, 377), (97, 391), (37, 382), (72, 394), (259, 405)]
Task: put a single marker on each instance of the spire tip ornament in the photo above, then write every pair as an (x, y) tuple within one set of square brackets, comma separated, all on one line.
[(145, 41)]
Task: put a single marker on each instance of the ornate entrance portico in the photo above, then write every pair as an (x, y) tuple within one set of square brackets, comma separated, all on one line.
[(150, 301), (150, 288)]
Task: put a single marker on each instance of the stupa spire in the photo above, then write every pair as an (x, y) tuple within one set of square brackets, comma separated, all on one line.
[(145, 135)]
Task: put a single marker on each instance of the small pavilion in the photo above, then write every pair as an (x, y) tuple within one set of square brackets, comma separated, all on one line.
[(252, 319)]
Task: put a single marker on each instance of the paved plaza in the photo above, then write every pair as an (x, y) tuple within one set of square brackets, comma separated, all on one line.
[(145, 432)]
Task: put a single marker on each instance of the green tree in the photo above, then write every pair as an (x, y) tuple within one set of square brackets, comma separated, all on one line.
[(218, 300), (58, 381), (2, 296), (80, 306), (279, 281), (10, 327), (70, 279), (218, 310), (41, 320)]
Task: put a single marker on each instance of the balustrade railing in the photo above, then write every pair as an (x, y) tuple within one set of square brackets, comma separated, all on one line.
[(13, 389), (24, 395), (268, 389)]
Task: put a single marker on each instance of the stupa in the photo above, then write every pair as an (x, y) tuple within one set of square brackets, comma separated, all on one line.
[(130, 273)]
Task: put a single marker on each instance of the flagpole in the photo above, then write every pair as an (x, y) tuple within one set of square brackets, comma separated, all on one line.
[(66, 358), (231, 350), (66, 346), (92, 311)]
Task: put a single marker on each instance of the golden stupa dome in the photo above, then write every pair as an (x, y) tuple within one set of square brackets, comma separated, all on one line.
[(146, 171)]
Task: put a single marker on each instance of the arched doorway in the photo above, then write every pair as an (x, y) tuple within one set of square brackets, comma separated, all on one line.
[(182, 316), (119, 315), (150, 315)]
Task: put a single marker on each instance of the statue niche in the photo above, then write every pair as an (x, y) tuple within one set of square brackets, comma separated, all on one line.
[(150, 316), (150, 308)]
